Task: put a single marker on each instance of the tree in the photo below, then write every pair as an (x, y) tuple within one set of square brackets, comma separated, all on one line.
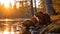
[(50, 8), (56, 5)]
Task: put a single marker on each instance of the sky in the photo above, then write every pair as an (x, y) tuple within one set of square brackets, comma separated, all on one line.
[(37, 3), (6, 2)]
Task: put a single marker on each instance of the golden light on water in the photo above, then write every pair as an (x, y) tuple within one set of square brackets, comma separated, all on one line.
[(6, 32), (6, 19), (0, 33), (12, 30)]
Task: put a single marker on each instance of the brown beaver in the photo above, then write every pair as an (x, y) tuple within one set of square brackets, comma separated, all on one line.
[(39, 18)]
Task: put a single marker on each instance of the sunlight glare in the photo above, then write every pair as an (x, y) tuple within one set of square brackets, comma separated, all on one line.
[(12, 30), (6, 19), (6, 3), (17, 5), (6, 32), (1, 1), (12, 3), (0, 32)]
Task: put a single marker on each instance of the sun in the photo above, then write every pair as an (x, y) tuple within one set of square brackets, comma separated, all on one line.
[(7, 3)]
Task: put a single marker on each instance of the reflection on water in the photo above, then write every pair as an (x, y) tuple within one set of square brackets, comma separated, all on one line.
[(10, 27)]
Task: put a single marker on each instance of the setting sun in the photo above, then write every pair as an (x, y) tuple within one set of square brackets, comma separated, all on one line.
[(7, 3)]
